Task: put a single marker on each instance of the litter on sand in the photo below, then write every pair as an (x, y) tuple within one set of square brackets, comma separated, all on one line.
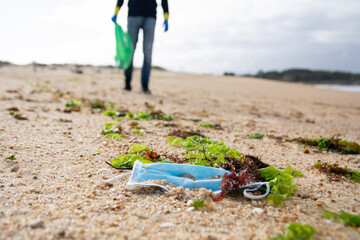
[(186, 175)]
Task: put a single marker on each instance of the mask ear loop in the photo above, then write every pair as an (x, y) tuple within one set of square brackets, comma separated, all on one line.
[(113, 176), (259, 185)]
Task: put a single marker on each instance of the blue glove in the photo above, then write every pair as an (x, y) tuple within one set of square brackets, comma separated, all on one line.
[(114, 18), (166, 25)]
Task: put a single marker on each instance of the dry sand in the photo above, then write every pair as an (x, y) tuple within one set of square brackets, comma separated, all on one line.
[(51, 190)]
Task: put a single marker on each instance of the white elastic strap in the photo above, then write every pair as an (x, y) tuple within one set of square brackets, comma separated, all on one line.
[(113, 176), (246, 194)]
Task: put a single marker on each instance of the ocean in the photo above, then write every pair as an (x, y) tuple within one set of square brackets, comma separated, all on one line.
[(346, 88)]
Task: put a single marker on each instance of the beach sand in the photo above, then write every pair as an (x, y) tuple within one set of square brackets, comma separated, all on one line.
[(51, 190)]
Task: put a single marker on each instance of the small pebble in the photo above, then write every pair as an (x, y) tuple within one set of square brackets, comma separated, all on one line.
[(319, 203), (168, 225), (254, 203), (38, 224), (257, 210), (190, 209)]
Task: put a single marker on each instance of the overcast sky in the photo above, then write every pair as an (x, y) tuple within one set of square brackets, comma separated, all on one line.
[(205, 36)]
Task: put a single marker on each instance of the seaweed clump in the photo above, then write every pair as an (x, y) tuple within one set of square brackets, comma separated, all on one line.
[(331, 144), (334, 170)]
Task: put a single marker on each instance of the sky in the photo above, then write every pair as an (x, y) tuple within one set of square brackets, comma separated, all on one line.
[(205, 36)]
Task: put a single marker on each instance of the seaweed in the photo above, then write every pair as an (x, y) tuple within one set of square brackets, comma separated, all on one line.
[(257, 136), (281, 183), (246, 173), (138, 131), (206, 125), (338, 145), (184, 134), (328, 144), (137, 152), (146, 116), (296, 231), (347, 218), (112, 130), (12, 157), (334, 170)]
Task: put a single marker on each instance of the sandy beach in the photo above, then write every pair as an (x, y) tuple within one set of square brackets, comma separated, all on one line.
[(51, 190)]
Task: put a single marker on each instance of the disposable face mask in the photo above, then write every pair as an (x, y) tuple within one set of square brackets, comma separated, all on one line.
[(186, 175)]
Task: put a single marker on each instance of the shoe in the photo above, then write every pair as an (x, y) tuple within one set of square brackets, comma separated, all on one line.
[(127, 84), (146, 91)]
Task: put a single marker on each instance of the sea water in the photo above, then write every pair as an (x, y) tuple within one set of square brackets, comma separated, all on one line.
[(347, 88)]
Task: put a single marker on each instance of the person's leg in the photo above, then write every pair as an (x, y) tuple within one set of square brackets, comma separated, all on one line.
[(133, 27), (149, 30)]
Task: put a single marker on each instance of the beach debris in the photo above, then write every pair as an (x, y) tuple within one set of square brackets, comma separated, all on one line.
[(134, 125), (19, 116), (11, 157), (344, 217), (73, 105), (306, 150), (13, 109), (112, 130), (333, 170), (65, 120), (296, 231), (256, 136), (184, 134)]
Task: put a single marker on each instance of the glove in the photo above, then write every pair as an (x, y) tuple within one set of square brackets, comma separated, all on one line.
[(166, 26), (114, 18)]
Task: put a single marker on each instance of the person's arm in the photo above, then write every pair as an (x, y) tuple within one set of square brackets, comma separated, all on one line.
[(117, 9), (164, 4)]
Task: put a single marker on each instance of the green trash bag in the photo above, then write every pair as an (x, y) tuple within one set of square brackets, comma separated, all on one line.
[(124, 48)]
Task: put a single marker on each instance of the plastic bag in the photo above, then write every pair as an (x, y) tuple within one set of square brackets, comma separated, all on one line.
[(124, 48)]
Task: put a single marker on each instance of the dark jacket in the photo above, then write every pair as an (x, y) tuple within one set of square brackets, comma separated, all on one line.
[(144, 8)]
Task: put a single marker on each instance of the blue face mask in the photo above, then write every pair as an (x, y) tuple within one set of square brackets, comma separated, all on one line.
[(186, 175)]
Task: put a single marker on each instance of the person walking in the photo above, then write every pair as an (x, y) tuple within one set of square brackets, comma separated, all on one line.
[(142, 15)]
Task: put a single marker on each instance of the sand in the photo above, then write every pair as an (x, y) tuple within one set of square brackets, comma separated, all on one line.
[(51, 191)]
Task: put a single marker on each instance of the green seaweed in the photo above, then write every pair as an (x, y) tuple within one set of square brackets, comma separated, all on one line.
[(331, 144), (336, 170), (347, 218), (112, 131), (203, 151), (73, 103), (138, 131), (206, 125), (146, 116), (257, 136), (12, 157), (281, 183), (198, 203), (296, 231), (137, 148)]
